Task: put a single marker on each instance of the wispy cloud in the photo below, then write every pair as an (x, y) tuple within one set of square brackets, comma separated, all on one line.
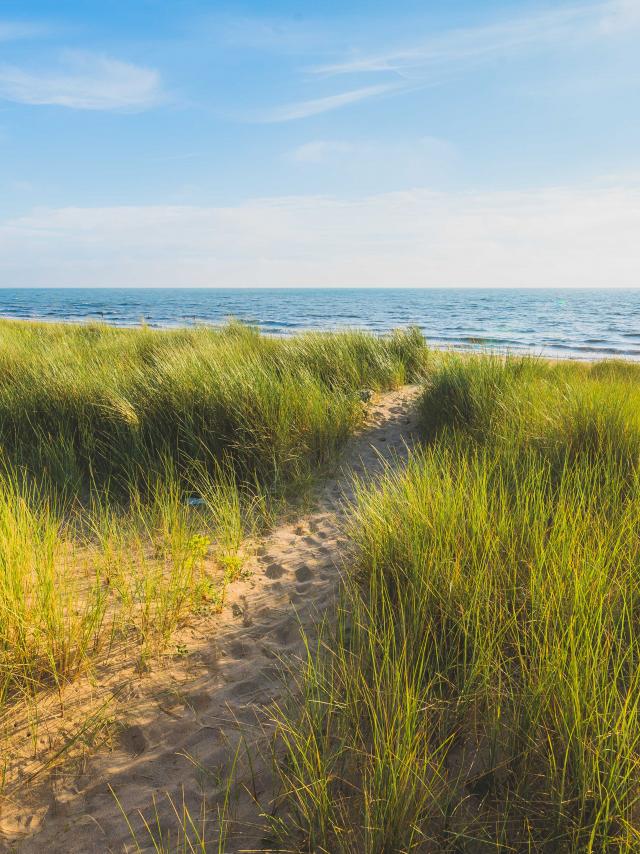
[(319, 150), (14, 30), (83, 81), (552, 28), (415, 162), (269, 34), (555, 236), (439, 56), (303, 109)]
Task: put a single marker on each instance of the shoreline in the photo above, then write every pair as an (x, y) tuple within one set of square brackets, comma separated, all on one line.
[(267, 333)]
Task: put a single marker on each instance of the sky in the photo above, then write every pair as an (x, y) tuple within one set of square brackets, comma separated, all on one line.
[(475, 143)]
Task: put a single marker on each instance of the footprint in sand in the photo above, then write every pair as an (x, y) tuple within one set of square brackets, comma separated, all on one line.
[(132, 739), (286, 632), (238, 649), (198, 702), (261, 686), (304, 573), (274, 570)]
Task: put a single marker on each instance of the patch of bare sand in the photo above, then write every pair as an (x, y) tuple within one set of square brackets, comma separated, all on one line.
[(182, 725)]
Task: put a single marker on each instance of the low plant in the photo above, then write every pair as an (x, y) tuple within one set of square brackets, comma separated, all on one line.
[(479, 690)]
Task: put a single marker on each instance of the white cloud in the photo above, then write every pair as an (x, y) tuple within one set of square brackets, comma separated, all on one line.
[(303, 109), (414, 160), (556, 27), (560, 236), (620, 16), (84, 81), (319, 150), (435, 58), (14, 30)]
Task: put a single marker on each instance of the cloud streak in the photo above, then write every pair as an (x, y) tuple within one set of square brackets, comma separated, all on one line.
[(320, 150), (438, 57), (83, 81), (552, 28), (15, 30), (316, 106), (558, 236)]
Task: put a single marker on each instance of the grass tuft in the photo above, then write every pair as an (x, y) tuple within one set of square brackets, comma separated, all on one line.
[(480, 688)]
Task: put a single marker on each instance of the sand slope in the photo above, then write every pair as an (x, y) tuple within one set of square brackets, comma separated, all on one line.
[(183, 722)]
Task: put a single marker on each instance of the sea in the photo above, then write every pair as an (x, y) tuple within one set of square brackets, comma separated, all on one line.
[(561, 323)]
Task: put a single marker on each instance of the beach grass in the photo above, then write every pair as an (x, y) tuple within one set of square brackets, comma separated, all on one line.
[(479, 689), (93, 404), (136, 465)]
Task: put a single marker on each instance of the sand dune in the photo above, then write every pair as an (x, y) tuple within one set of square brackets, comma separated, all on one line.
[(185, 723)]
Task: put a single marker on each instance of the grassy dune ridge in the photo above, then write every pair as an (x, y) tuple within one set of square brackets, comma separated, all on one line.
[(106, 438), (481, 690), (104, 405)]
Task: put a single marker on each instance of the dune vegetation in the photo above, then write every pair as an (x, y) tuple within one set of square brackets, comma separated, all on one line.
[(480, 690), (94, 405), (136, 463)]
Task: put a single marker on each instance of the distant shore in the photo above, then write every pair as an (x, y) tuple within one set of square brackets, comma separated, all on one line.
[(460, 347), (583, 324)]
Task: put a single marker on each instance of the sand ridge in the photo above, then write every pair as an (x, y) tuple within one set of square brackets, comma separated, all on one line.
[(187, 725)]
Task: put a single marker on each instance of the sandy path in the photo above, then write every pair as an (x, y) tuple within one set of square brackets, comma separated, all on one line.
[(186, 721)]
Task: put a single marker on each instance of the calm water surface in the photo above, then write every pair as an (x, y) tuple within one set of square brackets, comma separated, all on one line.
[(578, 323)]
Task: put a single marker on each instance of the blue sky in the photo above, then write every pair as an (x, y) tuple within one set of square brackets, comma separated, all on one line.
[(353, 143)]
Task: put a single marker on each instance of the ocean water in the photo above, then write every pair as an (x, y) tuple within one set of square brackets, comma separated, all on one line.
[(586, 324)]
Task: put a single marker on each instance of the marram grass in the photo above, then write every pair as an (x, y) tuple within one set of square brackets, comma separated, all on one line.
[(480, 690), (93, 404), (134, 465)]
